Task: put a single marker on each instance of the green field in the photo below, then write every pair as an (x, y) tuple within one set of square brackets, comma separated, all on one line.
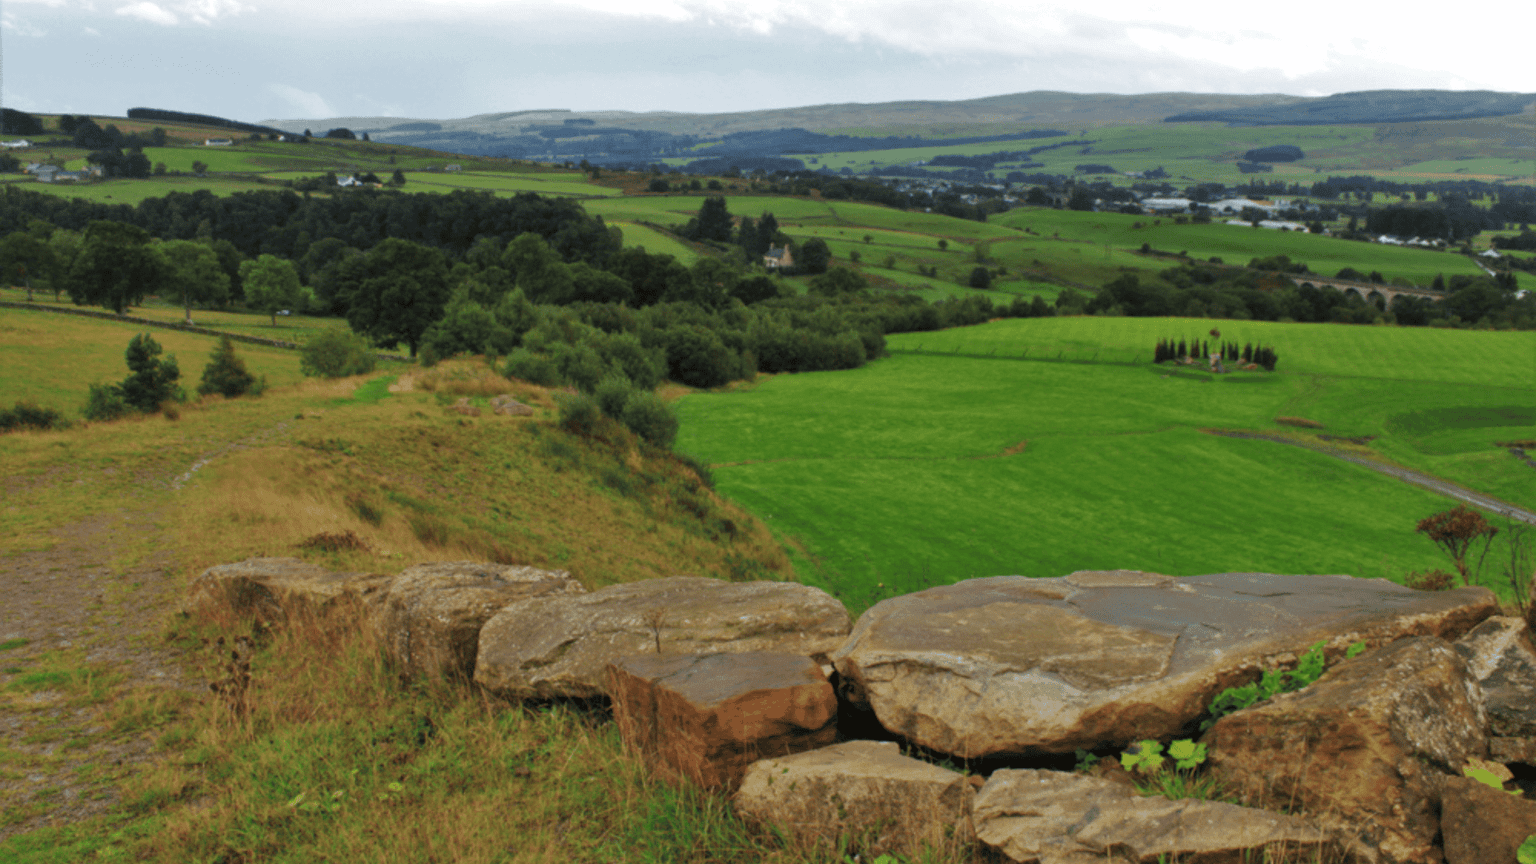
[(31, 342), (924, 469), (656, 242)]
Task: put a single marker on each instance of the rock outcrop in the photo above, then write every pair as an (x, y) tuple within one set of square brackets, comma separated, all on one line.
[(429, 620), (1499, 657), (866, 791), (705, 718), (273, 589), (1052, 817), (1368, 747), (1483, 825), (1013, 665), (559, 646)]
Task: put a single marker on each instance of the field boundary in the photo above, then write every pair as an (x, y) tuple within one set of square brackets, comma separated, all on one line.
[(1427, 481), (170, 325)]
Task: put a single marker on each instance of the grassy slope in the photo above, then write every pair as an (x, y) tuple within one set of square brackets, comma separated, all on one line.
[(901, 472)]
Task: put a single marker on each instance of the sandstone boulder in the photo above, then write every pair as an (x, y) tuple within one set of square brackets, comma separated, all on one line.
[(705, 718), (510, 407), (1053, 817), (1483, 825), (272, 589), (1499, 656), (1368, 747), (1512, 750), (884, 803), (1010, 665), (560, 645), (429, 621)]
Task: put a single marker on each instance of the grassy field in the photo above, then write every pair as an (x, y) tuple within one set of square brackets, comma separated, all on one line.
[(35, 342), (924, 469)]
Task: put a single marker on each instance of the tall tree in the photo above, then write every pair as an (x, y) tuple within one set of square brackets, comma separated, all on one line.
[(394, 292), (272, 283), (25, 257), (115, 267), (712, 223), (193, 275)]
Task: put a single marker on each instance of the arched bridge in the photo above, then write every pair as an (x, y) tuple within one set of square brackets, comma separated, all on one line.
[(1369, 291)]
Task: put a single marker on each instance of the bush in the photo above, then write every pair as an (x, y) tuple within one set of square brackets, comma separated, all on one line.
[(226, 374), (650, 418), (30, 415), (336, 353), (533, 368), (612, 392), (579, 413), (151, 382), (105, 403)]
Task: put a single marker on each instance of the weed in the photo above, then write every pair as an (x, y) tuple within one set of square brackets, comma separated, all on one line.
[(1431, 580), (430, 530), (1272, 683), (366, 509), (1527, 852), (13, 644)]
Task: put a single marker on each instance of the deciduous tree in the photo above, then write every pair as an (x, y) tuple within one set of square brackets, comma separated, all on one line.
[(115, 267), (272, 283)]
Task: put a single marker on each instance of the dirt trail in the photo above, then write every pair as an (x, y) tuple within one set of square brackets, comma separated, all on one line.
[(63, 757), (1428, 481)]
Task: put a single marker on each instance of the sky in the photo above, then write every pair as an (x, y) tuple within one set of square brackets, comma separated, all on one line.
[(255, 60)]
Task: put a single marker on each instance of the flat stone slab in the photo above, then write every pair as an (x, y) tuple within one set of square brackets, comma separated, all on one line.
[(705, 718), (560, 646), (865, 792), (429, 620), (1052, 817), (274, 588), (1013, 665)]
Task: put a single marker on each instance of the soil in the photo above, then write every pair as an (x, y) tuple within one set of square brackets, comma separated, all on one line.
[(62, 760)]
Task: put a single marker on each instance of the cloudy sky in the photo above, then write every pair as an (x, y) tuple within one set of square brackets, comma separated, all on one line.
[(265, 59)]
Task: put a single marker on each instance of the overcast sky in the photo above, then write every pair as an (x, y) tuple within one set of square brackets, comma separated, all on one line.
[(265, 59)]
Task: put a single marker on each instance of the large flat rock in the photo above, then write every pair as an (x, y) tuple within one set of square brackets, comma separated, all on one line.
[(273, 589), (1012, 665), (706, 717), (860, 796), (560, 646), (430, 618), (1050, 817)]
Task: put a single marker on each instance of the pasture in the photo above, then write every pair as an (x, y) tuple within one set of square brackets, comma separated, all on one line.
[(926, 468), (53, 359)]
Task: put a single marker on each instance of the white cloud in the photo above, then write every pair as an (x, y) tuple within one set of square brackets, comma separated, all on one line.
[(91, 31), (21, 27), (151, 12), (305, 103)]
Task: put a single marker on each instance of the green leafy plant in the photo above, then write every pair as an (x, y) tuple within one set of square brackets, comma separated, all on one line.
[(1272, 683), (1145, 757), (1186, 754), (1527, 851), (1086, 760)]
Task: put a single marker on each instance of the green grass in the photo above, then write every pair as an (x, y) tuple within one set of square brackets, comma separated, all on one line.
[(904, 472), (32, 343), (656, 242)]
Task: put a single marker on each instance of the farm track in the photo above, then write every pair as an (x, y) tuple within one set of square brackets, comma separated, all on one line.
[(1427, 481)]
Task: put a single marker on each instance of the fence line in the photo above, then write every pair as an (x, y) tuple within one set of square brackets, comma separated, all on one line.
[(170, 325)]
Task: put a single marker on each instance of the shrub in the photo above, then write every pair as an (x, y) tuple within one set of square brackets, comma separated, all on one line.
[(650, 418), (105, 403), (226, 374), (612, 392), (30, 415), (151, 382), (579, 413), (533, 368), (336, 353), (1432, 580)]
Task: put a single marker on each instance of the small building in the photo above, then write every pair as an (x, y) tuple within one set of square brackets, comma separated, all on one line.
[(778, 258), (345, 182), (218, 142), (19, 144)]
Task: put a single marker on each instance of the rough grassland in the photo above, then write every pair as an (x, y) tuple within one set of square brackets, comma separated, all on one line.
[(923, 469)]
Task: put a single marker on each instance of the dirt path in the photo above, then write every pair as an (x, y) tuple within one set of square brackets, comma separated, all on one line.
[(1428, 481), (74, 618)]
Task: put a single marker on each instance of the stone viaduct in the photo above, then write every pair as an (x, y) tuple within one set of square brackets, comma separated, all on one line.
[(1368, 291)]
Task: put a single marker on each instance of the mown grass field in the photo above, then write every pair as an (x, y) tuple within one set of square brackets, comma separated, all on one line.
[(925, 469)]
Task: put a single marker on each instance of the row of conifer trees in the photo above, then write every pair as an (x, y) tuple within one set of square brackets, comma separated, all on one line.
[(1168, 349)]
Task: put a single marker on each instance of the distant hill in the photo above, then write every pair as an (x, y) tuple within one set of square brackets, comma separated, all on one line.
[(1370, 106)]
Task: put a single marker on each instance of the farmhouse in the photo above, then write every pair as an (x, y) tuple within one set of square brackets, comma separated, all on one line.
[(778, 258), (18, 144), (218, 142)]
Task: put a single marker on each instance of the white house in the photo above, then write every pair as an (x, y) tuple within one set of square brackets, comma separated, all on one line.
[(218, 142), (18, 144)]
